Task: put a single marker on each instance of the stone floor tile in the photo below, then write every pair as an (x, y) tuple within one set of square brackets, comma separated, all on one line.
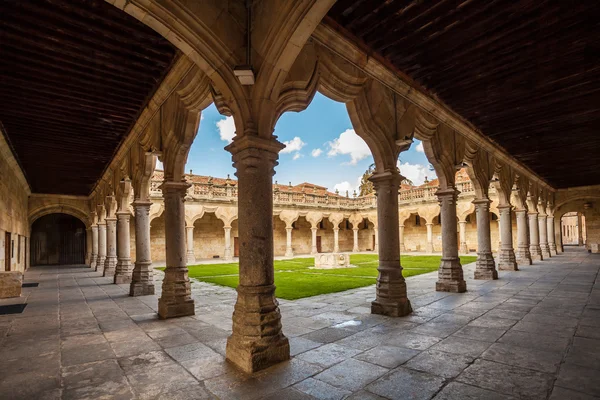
[(193, 392), (133, 347), (514, 381), (535, 327), (364, 395), (404, 383), (288, 394), (86, 353), (535, 341), (412, 341), (300, 345), (321, 390), (579, 378), (480, 333), (207, 367), (328, 354), (28, 385), (493, 322), (387, 356), (551, 320), (524, 357), (152, 382), (559, 393), (446, 365), (461, 391), (145, 360), (328, 335), (460, 345), (584, 352), (589, 332), (363, 340), (351, 374)]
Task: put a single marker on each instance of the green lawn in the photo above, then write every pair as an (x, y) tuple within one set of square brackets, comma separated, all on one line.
[(295, 279)]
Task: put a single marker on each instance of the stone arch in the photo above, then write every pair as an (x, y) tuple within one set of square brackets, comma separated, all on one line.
[(82, 215), (58, 238), (156, 210)]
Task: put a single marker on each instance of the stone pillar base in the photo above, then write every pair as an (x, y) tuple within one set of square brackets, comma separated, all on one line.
[(141, 289), (553, 251), (507, 261), (399, 309), (93, 261), (100, 264), (289, 253), (122, 279), (450, 277), (190, 258), (522, 256), (485, 267), (536, 253), (257, 341), (429, 248), (168, 309), (545, 251), (463, 248), (110, 266)]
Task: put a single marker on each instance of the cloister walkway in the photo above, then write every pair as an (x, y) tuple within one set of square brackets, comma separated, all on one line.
[(532, 334)]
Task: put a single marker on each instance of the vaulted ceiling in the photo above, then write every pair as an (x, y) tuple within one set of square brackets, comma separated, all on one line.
[(74, 76), (524, 72)]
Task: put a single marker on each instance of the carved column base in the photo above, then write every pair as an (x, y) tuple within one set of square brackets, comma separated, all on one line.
[(100, 263), (141, 289), (402, 248), (110, 266), (464, 249), (450, 276), (429, 248), (536, 253), (93, 261), (227, 255), (485, 267), (523, 256), (545, 250), (391, 297), (257, 341), (553, 251), (176, 300), (507, 260), (289, 253), (123, 271), (190, 257)]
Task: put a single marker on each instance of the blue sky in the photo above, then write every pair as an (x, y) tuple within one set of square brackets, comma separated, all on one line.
[(322, 148)]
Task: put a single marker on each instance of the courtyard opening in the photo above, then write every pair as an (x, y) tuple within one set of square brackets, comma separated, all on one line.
[(58, 239)]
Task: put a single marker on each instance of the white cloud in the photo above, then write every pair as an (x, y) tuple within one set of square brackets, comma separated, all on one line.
[(416, 172), (316, 152), (349, 143), (343, 186), (296, 144), (296, 156), (420, 148), (226, 129)]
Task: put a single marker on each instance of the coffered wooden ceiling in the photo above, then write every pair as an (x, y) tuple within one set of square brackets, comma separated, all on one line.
[(74, 76), (524, 72)]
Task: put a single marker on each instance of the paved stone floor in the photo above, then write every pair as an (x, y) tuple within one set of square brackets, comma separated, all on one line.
[(532, 334)]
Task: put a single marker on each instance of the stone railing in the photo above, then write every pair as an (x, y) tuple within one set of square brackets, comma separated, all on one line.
[(228, 193)]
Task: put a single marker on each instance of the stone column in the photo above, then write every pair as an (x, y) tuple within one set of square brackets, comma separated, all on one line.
[(336, 239), (228, 252), (355, 248), (101, 246), (189, 254), (142, 279), (534, 238), (506, 255), (256, 341), (313, 249), (485, 267), (579, 230), (123, 269), (551, 237), (462, 226), (402, 247), (376, 249), (94, 258), (176, 298), (391, 298), (450, 274), (110, 264), (543, 231), (288, 242), (429, 247), (522, 256)]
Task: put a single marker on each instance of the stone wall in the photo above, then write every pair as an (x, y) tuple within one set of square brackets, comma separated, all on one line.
[(585, 200), (14, 193), (209, 237)]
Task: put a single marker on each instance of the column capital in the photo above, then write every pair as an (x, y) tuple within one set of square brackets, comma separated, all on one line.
[(388, 177), (254, 142), (172, 187), (504, 207), (429, 224), (141, 203), (483, 201), (123, 214)]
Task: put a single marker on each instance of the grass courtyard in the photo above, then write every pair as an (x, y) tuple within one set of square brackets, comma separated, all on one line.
[(295, 279)]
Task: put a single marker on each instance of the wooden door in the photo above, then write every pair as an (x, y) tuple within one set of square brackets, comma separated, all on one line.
[(7, 247), (236, 247), (318, 244)]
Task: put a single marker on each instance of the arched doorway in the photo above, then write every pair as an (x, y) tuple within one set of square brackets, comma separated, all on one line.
[(58, 239)]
